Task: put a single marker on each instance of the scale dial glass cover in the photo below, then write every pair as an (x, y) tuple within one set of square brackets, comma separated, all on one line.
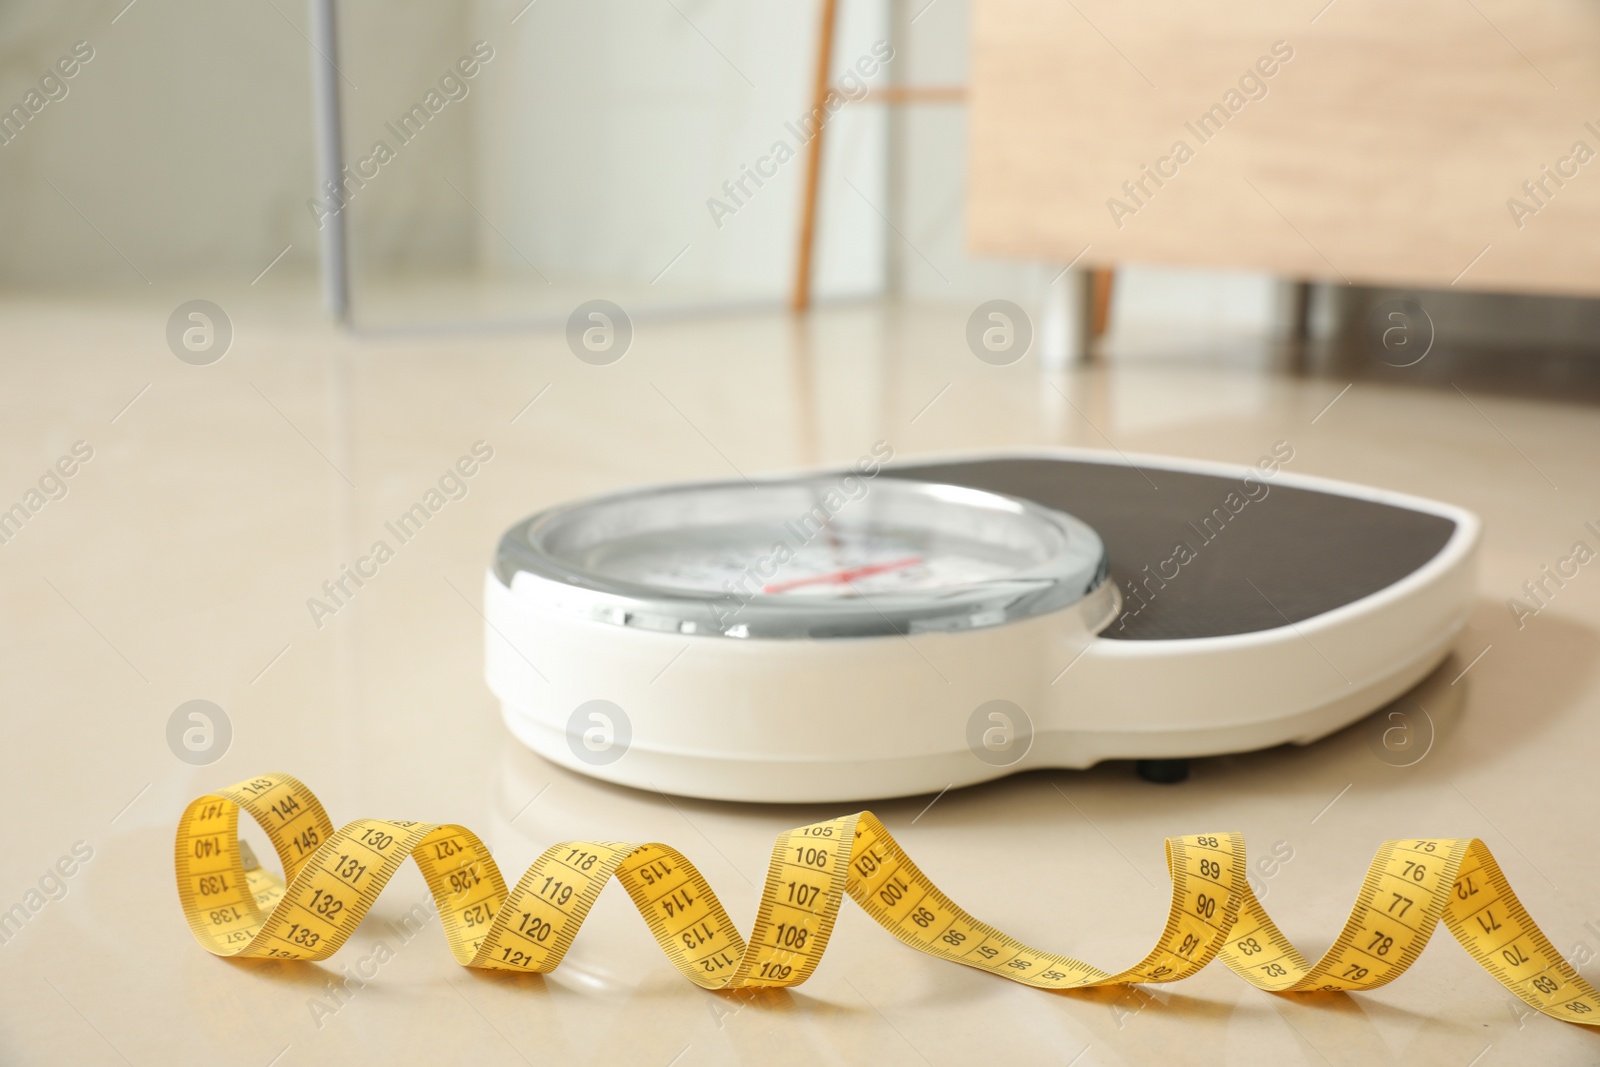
[(818, 557)]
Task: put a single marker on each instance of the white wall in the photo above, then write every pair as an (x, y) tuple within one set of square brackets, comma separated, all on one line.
[(612, 124), (406, 219), (593, 140), (1161, 311), (928, 256), (183, 141)]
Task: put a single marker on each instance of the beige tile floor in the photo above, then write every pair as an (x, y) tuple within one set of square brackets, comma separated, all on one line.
[(219, 498)]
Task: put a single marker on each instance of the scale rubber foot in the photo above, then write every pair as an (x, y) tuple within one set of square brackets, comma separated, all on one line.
[(1163, 771)]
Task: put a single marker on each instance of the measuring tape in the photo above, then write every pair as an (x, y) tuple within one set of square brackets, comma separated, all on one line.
[(239, 909)]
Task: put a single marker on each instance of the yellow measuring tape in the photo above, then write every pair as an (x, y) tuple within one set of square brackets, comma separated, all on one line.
[(237, 908)]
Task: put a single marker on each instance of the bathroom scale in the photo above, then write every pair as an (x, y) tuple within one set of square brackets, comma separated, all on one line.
[(893, 629)]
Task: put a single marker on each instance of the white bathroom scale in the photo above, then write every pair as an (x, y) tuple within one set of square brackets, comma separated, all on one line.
[(890, 630)]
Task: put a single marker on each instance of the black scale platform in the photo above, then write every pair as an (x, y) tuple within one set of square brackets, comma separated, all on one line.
[(1306, 552)]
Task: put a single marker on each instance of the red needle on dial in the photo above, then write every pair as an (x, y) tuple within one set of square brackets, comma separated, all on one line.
[(843, 577)]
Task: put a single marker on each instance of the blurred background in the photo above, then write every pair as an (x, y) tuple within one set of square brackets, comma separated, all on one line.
[(599, 148)]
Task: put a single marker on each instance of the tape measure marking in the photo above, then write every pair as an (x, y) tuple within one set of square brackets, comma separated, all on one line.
[(237, 908)]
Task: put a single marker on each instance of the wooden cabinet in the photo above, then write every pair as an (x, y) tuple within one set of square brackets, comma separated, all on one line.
[(1429, 143)]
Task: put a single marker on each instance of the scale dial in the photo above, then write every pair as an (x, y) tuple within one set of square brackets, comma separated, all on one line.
[(813, 557)]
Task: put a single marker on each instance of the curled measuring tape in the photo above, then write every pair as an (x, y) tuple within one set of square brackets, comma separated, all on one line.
[(238, 908)]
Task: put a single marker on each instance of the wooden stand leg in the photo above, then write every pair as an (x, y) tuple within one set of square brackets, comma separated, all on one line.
[(801, 298)]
